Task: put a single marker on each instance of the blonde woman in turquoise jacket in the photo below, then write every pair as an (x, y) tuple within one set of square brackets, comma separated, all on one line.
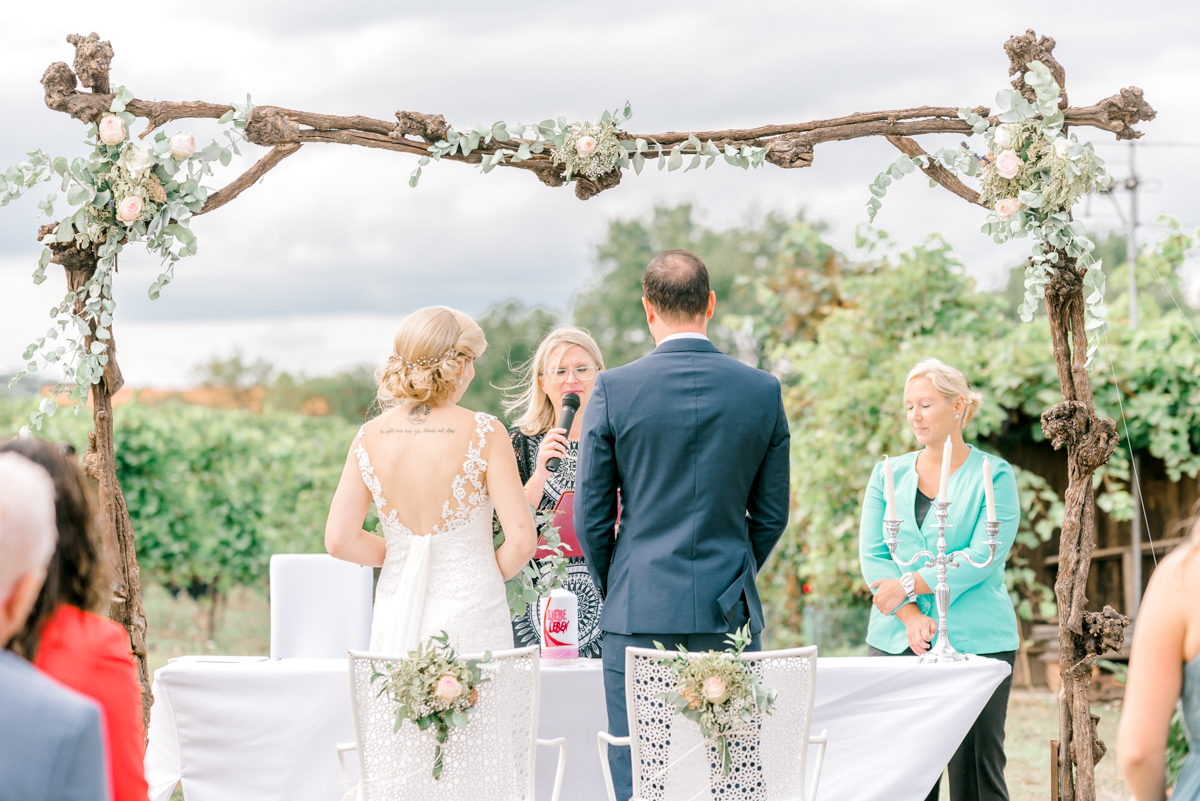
[(938, 404)]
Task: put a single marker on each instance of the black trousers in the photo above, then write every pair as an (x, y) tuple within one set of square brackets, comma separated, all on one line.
[(977, 767), (619, 758)]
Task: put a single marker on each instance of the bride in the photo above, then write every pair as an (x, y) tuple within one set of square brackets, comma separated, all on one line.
[(434, 471)]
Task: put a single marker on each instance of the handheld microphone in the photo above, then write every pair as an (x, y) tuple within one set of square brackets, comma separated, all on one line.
[(570, 406)]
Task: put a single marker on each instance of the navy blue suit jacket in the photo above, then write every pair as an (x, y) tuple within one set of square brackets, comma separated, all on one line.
[(697, 444)]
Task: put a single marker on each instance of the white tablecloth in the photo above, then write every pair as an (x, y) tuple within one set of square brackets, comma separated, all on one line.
[(259, 729)]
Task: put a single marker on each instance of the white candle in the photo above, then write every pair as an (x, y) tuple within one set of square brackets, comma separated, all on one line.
[(889, 487), (989, 492), (944, 483)]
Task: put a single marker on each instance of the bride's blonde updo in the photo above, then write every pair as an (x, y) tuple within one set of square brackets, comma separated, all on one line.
[(430, 346)]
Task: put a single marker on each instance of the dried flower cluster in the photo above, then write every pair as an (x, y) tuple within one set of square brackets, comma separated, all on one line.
[(589, 149), (719, 692), (434, 689)]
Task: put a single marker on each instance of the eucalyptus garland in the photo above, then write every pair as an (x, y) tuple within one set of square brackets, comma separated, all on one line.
[(1030, 178), (122, 192), (590, 149)]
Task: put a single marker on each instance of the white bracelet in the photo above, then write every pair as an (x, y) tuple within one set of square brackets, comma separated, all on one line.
[(909, 583)]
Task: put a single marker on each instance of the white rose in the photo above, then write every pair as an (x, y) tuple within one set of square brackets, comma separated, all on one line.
[(586, 145), (1003, 137), (1061, 145), (1006, 208), (183, 145), (112, 130), (129, 209), (136, 159), (1008, 164)]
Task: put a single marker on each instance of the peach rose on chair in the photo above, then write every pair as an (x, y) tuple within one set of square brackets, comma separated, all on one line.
[(448, 688), (715, 691), (1006, 208), (1008, 164), (112, 130), (129, 209)]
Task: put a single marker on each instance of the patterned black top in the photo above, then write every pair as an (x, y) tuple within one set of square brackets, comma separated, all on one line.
[(527, 628)]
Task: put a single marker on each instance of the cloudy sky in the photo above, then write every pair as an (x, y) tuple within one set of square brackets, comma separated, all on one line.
[(313, 267)]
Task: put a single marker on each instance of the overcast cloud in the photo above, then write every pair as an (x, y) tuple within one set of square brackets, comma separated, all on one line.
[(313, 267)]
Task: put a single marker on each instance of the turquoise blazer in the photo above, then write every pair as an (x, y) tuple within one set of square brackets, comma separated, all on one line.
[(981, 619)]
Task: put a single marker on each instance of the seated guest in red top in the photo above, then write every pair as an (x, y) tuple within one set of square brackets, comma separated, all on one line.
[(62, 636)]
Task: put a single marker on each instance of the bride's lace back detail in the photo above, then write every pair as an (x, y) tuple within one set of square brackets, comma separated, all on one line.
[(474, 466), (467, 505), (448, 580)]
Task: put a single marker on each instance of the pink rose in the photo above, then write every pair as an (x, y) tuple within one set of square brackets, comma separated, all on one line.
[(715, 691), (586, 145), (112, 130), (448, 688), (183, 145), (1008, 164), (1006, 208), (129, 209)]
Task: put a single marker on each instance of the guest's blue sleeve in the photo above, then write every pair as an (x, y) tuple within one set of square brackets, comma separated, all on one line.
[(81, 766), (770, 494), (596, 485), (873, 555), (1008, 512)]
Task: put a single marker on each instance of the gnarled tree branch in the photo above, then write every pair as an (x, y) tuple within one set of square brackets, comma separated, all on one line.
[(789, 145), (936, 172)]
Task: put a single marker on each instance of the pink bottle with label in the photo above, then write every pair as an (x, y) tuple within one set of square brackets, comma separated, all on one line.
[(560, 625)]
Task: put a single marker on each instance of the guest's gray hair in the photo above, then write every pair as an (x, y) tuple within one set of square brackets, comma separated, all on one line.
[(28, 531)]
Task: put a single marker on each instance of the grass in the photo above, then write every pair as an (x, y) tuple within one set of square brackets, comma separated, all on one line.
[(179, 626), (1032, 724)]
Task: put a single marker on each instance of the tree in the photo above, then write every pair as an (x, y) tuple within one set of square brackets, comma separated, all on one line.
[(513, 333), (610, 306)]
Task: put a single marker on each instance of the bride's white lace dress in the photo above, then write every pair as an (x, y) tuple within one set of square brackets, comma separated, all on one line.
[(447, 580)]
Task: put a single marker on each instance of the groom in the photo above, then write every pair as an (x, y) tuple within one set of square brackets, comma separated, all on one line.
[(697, 444)]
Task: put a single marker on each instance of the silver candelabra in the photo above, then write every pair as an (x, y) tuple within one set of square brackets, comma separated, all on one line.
[(942, 651)]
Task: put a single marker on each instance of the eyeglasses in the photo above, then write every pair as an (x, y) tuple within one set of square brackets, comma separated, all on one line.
[(583, 373)]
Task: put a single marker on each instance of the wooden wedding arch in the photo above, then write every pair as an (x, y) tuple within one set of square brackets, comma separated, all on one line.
[(1072, 423)]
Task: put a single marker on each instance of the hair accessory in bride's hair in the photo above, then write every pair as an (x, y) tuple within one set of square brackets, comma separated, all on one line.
[(427, 361)]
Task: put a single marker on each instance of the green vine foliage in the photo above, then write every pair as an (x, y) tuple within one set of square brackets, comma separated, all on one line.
[(120, 193), (212, 493), (843, 390)]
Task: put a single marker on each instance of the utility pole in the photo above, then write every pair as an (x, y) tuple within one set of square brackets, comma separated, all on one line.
[(1135, 484)]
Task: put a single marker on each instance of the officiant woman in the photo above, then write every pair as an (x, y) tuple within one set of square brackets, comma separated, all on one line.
[(567, 360), (939, 404)]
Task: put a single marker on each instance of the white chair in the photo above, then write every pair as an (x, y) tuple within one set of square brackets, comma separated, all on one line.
[(670, 758), (493, 758), (320, 606)]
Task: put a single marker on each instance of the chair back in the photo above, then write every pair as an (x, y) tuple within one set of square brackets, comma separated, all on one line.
[(672, 761), (491, 759), (320, 606)]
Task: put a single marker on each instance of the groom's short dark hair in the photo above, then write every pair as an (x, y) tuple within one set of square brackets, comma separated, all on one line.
[(676, 284)]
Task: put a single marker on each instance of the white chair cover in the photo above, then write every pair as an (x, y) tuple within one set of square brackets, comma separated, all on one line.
[(491, 759), (320, 606), (670, 758)]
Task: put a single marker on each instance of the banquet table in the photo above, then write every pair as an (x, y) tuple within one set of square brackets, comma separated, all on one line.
[(251, 728)]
